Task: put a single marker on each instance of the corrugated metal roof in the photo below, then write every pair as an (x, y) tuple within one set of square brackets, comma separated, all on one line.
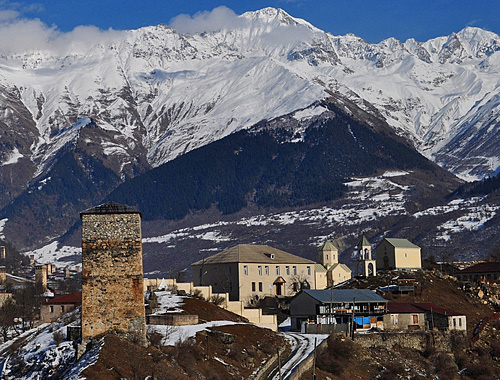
[(402, 307), (429, 306), (250, 253), (482, 268), (72, 298), (401, 243), (344, 295)]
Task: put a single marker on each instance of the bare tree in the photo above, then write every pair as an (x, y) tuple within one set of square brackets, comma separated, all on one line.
[(298, 282), (8, 313)]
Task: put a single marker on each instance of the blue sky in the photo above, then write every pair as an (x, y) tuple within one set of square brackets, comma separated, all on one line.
[(373, 20)]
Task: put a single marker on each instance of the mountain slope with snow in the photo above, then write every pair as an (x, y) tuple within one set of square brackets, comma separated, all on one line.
[(76, 112), (170, 93)]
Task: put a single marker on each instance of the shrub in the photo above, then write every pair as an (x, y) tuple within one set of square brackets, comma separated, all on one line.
[(392, 371), (217, 300), (479, 371), (446, 368), (58, 337), (155, 338), (197, 293)]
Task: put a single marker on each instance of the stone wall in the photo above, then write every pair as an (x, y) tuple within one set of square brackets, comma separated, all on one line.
[(172, 319), (417, 340), (112, 275)]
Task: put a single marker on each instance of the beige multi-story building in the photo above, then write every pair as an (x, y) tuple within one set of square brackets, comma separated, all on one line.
[(248, 271), (398, 254)]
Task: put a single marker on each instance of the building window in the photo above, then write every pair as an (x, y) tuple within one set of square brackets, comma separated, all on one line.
[(454, 323), (253, 286), (394, 319), (266, 270), (460, 322), (62, 308), (327, 257), (415, 319), (260, 286), (287, 270), (52, 309), (277, 270), (245, 270), (294, 270), (308, 270), (259, 269)]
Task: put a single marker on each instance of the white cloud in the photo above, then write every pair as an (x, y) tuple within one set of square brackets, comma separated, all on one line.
[(20, 35), (219, 18)]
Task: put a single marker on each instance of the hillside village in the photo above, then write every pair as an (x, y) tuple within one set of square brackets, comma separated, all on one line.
[(246, 305)]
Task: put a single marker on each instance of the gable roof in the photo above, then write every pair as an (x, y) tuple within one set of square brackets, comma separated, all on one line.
[(343, 266), (319, 268), (344, 295), (402, 308), (250, 253), (482, 268), (72, 298), (430, 307), (400, 243)]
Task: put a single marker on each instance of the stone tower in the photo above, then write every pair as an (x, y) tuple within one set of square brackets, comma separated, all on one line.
[(41, 275), (112, 274), (328, 254), (368, 264)]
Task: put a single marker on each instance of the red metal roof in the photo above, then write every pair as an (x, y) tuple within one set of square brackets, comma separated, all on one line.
[(482, 268), (418, 307), (402, 307), (429, 306), (72, 298)]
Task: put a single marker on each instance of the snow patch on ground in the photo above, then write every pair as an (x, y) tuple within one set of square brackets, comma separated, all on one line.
[(53, 253), (12, 158), (2, 226)]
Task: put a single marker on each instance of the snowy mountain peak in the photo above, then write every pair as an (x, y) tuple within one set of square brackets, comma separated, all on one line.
[(161, 93)]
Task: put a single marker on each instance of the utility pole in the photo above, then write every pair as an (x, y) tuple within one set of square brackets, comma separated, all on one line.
[(314, 361), (353, 311), (279, 364)]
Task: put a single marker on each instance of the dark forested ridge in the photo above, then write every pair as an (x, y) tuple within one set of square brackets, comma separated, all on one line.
[(263, 166), (488, 186)]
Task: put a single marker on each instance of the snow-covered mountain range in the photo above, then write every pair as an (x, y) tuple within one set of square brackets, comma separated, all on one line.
[(156, 94), (104, 109)]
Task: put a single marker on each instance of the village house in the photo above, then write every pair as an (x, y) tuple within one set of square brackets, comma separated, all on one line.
[(489, 271), (404, 316), (337, 309), (440, 318), (248, 271), (398, 254), (409, 316), (58, 306)]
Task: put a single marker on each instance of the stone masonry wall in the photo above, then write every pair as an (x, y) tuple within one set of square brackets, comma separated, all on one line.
[(112, 276), (417, 340)]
